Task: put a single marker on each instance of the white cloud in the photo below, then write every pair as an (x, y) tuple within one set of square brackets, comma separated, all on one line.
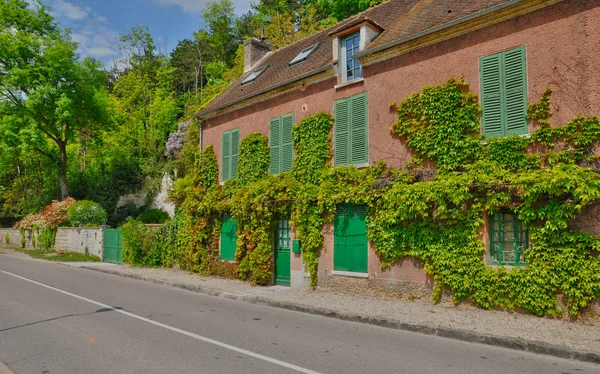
[(93, 32), (197, 6), (65, 9)]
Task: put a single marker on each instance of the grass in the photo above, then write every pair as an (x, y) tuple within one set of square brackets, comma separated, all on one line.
[(62, 257)]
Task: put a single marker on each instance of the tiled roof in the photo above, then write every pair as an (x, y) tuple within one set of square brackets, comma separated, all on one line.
[(398, 18)]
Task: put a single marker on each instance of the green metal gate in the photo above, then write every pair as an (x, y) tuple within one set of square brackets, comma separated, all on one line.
[(282, 253), (112, 246)]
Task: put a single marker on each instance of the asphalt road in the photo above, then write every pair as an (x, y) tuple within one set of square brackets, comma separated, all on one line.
[(59, 319)]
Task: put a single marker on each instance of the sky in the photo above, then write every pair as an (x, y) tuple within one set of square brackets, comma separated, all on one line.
[(97, 24)]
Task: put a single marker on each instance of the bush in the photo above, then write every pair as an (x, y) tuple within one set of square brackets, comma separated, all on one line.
[(50, 217), (46, 239), (137, 240), (86, 213), (122, 213), (154, 216)]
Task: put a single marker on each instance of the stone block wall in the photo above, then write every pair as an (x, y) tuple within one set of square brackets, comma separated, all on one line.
[(13, 238), (68, 239), (82, 240)]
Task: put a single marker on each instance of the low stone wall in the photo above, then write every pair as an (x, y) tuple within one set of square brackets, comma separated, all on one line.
[(13, 238), (83, 240), (68, 239)]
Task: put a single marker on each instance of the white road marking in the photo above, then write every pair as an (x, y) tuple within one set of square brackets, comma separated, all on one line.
[(175, 329)]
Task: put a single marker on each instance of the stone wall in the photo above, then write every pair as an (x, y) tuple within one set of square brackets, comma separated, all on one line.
[(68, 239), (82, 240), (13, 238)]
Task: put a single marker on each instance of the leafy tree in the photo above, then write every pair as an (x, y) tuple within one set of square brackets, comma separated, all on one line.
[(219, 17), (342, 9), (47, 94)]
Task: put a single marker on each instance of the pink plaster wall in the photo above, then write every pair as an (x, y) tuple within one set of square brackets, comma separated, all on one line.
[(563, 50), (562, 43)]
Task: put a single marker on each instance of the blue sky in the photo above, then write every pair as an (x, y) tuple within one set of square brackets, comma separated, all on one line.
[(97, 24)]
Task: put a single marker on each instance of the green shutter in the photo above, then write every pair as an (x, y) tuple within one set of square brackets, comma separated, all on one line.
[(225, 155), (228, 238), (504, 93), (274, 146), (359, 129), (359, 242), (341, 250), (351, 246), (341, 132), (515, 84), (492, 93), (287, 144), (235, 149)]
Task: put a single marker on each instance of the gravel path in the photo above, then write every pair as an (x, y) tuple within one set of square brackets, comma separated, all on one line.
[(576, 335)]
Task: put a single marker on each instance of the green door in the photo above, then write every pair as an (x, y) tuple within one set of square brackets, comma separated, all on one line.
[(350, 243), (282, 253), (112, 246), (228, 238)]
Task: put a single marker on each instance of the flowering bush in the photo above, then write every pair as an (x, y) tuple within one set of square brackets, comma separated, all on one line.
[(175, 142), (50, 217), (85, 213)]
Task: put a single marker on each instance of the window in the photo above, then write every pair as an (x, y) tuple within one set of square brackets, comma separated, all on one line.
[(509, 240), (504, 93), (230, 141), (255, 74), (228, 238), (350, 130), (281, 144), (351, 69), (350, 244), (302, 56)]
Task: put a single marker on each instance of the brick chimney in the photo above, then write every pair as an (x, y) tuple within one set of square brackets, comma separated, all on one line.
[(254, 50)]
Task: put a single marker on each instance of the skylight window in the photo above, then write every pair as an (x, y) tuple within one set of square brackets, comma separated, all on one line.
[(255, 74), (302, 56)]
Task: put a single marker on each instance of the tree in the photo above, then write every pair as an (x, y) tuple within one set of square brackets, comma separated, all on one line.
[(47, 94), (342, 9), (219, 17)]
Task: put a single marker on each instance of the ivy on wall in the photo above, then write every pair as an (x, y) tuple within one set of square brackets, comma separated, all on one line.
[(437, 217)]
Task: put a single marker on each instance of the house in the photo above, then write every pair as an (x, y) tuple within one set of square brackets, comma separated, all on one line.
[(508, 50)]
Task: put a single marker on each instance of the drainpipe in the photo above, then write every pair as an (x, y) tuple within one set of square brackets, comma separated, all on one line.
[(200, 132)]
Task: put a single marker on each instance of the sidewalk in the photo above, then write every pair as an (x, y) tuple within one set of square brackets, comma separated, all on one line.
[(578, 340)]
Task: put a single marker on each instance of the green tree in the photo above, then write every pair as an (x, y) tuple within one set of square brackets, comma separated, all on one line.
[(219, 17), (47, 93)]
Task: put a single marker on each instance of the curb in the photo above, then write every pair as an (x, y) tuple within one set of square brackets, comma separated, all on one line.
[(532, 346)]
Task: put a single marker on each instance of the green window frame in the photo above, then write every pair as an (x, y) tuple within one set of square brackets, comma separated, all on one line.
[(230, 141), (503, 78), (350, 243), (509, 239), (228, 238), (351, 130), (281, 144), (351, 68)]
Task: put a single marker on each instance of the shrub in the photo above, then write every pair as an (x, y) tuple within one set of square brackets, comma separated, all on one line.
[(86, 213), (46, 239), (50, 217), (137, 240), (122, 213), (7, 239), (154, 216)]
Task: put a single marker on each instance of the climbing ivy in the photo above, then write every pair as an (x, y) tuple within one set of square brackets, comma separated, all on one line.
[(441, 124), (434, 209)]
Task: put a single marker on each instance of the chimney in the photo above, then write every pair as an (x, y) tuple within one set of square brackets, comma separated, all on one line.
[(254, 50)]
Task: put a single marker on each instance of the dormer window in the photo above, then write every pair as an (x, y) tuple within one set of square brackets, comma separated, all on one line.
[(302, 56), (351, 69), (255, 74)]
